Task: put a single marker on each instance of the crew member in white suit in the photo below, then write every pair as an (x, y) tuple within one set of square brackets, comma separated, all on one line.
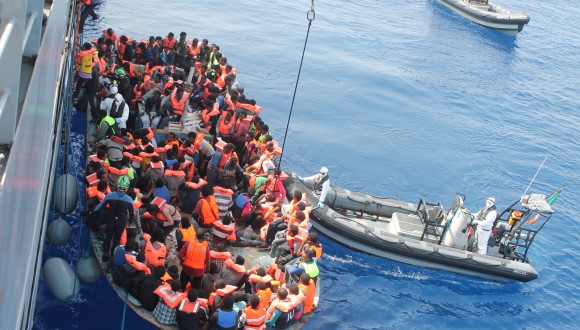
[(484, 220), (321, 182)]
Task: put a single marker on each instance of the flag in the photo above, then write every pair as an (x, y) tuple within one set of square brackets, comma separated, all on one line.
[(555, 195), (533, 220)]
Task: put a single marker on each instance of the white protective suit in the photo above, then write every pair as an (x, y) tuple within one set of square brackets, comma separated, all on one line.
[(316, 179), (107, 103), (484, 225)]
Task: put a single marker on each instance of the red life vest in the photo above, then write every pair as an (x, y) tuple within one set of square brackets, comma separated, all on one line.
[(168, 44), (196, 254), (170, 298)]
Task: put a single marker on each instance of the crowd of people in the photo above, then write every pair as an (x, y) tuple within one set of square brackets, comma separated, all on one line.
[(217, 186)]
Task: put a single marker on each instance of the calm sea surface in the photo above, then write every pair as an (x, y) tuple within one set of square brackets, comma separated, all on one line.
[(402, 99)]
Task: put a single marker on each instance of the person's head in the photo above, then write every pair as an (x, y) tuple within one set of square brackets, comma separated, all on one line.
[(159, 272), (191, 136), (261, 285), (179, 92), (192, 295), (87, 46), (206, 191), (323, 170), (183, 35), (175, 286), (297, 195), (227, 303), (132, 246), (219, 284), (282, 293), (170, 35), (110, 31), (294, 289), (229, 148), (261, 272), (123, 39), (300, 215), (123, 183), (199, 234), (227, 220), (301, 206), (173, 271), (157, 235), (310, 254), (240, 260), (185, 223), (213, 268), (305, 278), (254, 301), (102, 186), (251, 191), (171, 136), (294, 230), (176, 166), (490, 202), (313, 238)]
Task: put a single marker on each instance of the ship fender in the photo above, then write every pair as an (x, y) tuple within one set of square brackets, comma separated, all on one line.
[(61, 279), (58, 232), (66, 193), (88, 268)]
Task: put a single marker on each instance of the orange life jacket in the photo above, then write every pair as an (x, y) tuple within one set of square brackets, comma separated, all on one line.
[(220, 255), (209, 210), (229, 289), (226, 129), (92, 192), (178, 106), (170, 298), (189, 307), (225, 158), (309, 292), (255, 278), (235, 267), (265, 298), (187, 234), (255, 318), (168, 44), (155, 257), (93, 179), (224, 232), (178, 173), (132, 260), (106, 36), (195, 254)]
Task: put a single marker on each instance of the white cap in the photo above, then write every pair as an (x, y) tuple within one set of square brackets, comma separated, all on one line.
[(323, 170), (491, 199), (113, 90)]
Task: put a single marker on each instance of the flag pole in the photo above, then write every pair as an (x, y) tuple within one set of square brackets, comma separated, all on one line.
[(534, 178)]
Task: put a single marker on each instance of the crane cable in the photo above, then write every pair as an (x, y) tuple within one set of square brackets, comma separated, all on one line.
[(310, 16)]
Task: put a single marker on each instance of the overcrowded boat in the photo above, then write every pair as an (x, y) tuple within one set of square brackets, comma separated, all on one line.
[(185, 201), (489, 14), (427, 234)]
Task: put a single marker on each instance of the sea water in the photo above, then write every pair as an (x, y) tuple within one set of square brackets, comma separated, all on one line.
[(401, 99)]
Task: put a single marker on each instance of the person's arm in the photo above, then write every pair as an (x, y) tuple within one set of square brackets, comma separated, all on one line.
[(168, 217), (125, 115), (275, 315), (103, 202), (183, 250), (215, 160)]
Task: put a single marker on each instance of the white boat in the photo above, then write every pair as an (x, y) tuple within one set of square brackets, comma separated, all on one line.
[(489, 14)]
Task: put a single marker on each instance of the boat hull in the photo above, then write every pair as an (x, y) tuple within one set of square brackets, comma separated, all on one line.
[(502, 20), (362, 235)]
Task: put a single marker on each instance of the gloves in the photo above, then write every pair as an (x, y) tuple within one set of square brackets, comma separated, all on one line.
[(118, 120), (320, 205), (475, 222)]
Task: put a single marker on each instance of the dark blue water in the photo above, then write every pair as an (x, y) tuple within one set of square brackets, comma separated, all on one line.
[(402, 99)]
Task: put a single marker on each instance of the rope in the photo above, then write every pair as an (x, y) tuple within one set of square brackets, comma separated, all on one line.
[(310, 16)]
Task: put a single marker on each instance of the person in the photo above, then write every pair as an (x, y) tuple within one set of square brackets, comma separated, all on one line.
[(307, 265), (195, 258), (206, 211), (190, 194), (170, 298), (147, 286), (225, 318), (234, 273), (88, 9), (308, 289), (321, 183), (280, 314), (120, 210), (254, 316), (107, 126), (191, 314), (218, 161), (484, 220), (116, 107)]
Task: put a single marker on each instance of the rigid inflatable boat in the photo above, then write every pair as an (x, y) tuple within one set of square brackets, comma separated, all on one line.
[(489, 14), (426, 234)]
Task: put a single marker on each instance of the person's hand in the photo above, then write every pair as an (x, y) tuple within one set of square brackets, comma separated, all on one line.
[(320, 205), (118, 120)]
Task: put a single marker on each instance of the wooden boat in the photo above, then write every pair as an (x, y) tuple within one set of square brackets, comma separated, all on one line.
[(425, 234), (489, 14)]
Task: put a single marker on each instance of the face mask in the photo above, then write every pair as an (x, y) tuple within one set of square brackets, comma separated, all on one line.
[(489, 204)]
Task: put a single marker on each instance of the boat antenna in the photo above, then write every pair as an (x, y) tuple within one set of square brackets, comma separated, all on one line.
[(310, 16), (534, 178)]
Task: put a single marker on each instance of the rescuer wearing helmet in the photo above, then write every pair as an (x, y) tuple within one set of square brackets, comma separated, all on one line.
[(321, 183), (120, 211), (124, 84)]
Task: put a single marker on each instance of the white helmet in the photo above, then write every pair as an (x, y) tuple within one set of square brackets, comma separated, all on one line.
[(323, 170)]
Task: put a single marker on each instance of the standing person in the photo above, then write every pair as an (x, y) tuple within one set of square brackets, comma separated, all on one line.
[(321, 183), (116, 107), (84, 67), (218, 161), (120, 210), (88, 9), (195, 259), (484, 220)]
